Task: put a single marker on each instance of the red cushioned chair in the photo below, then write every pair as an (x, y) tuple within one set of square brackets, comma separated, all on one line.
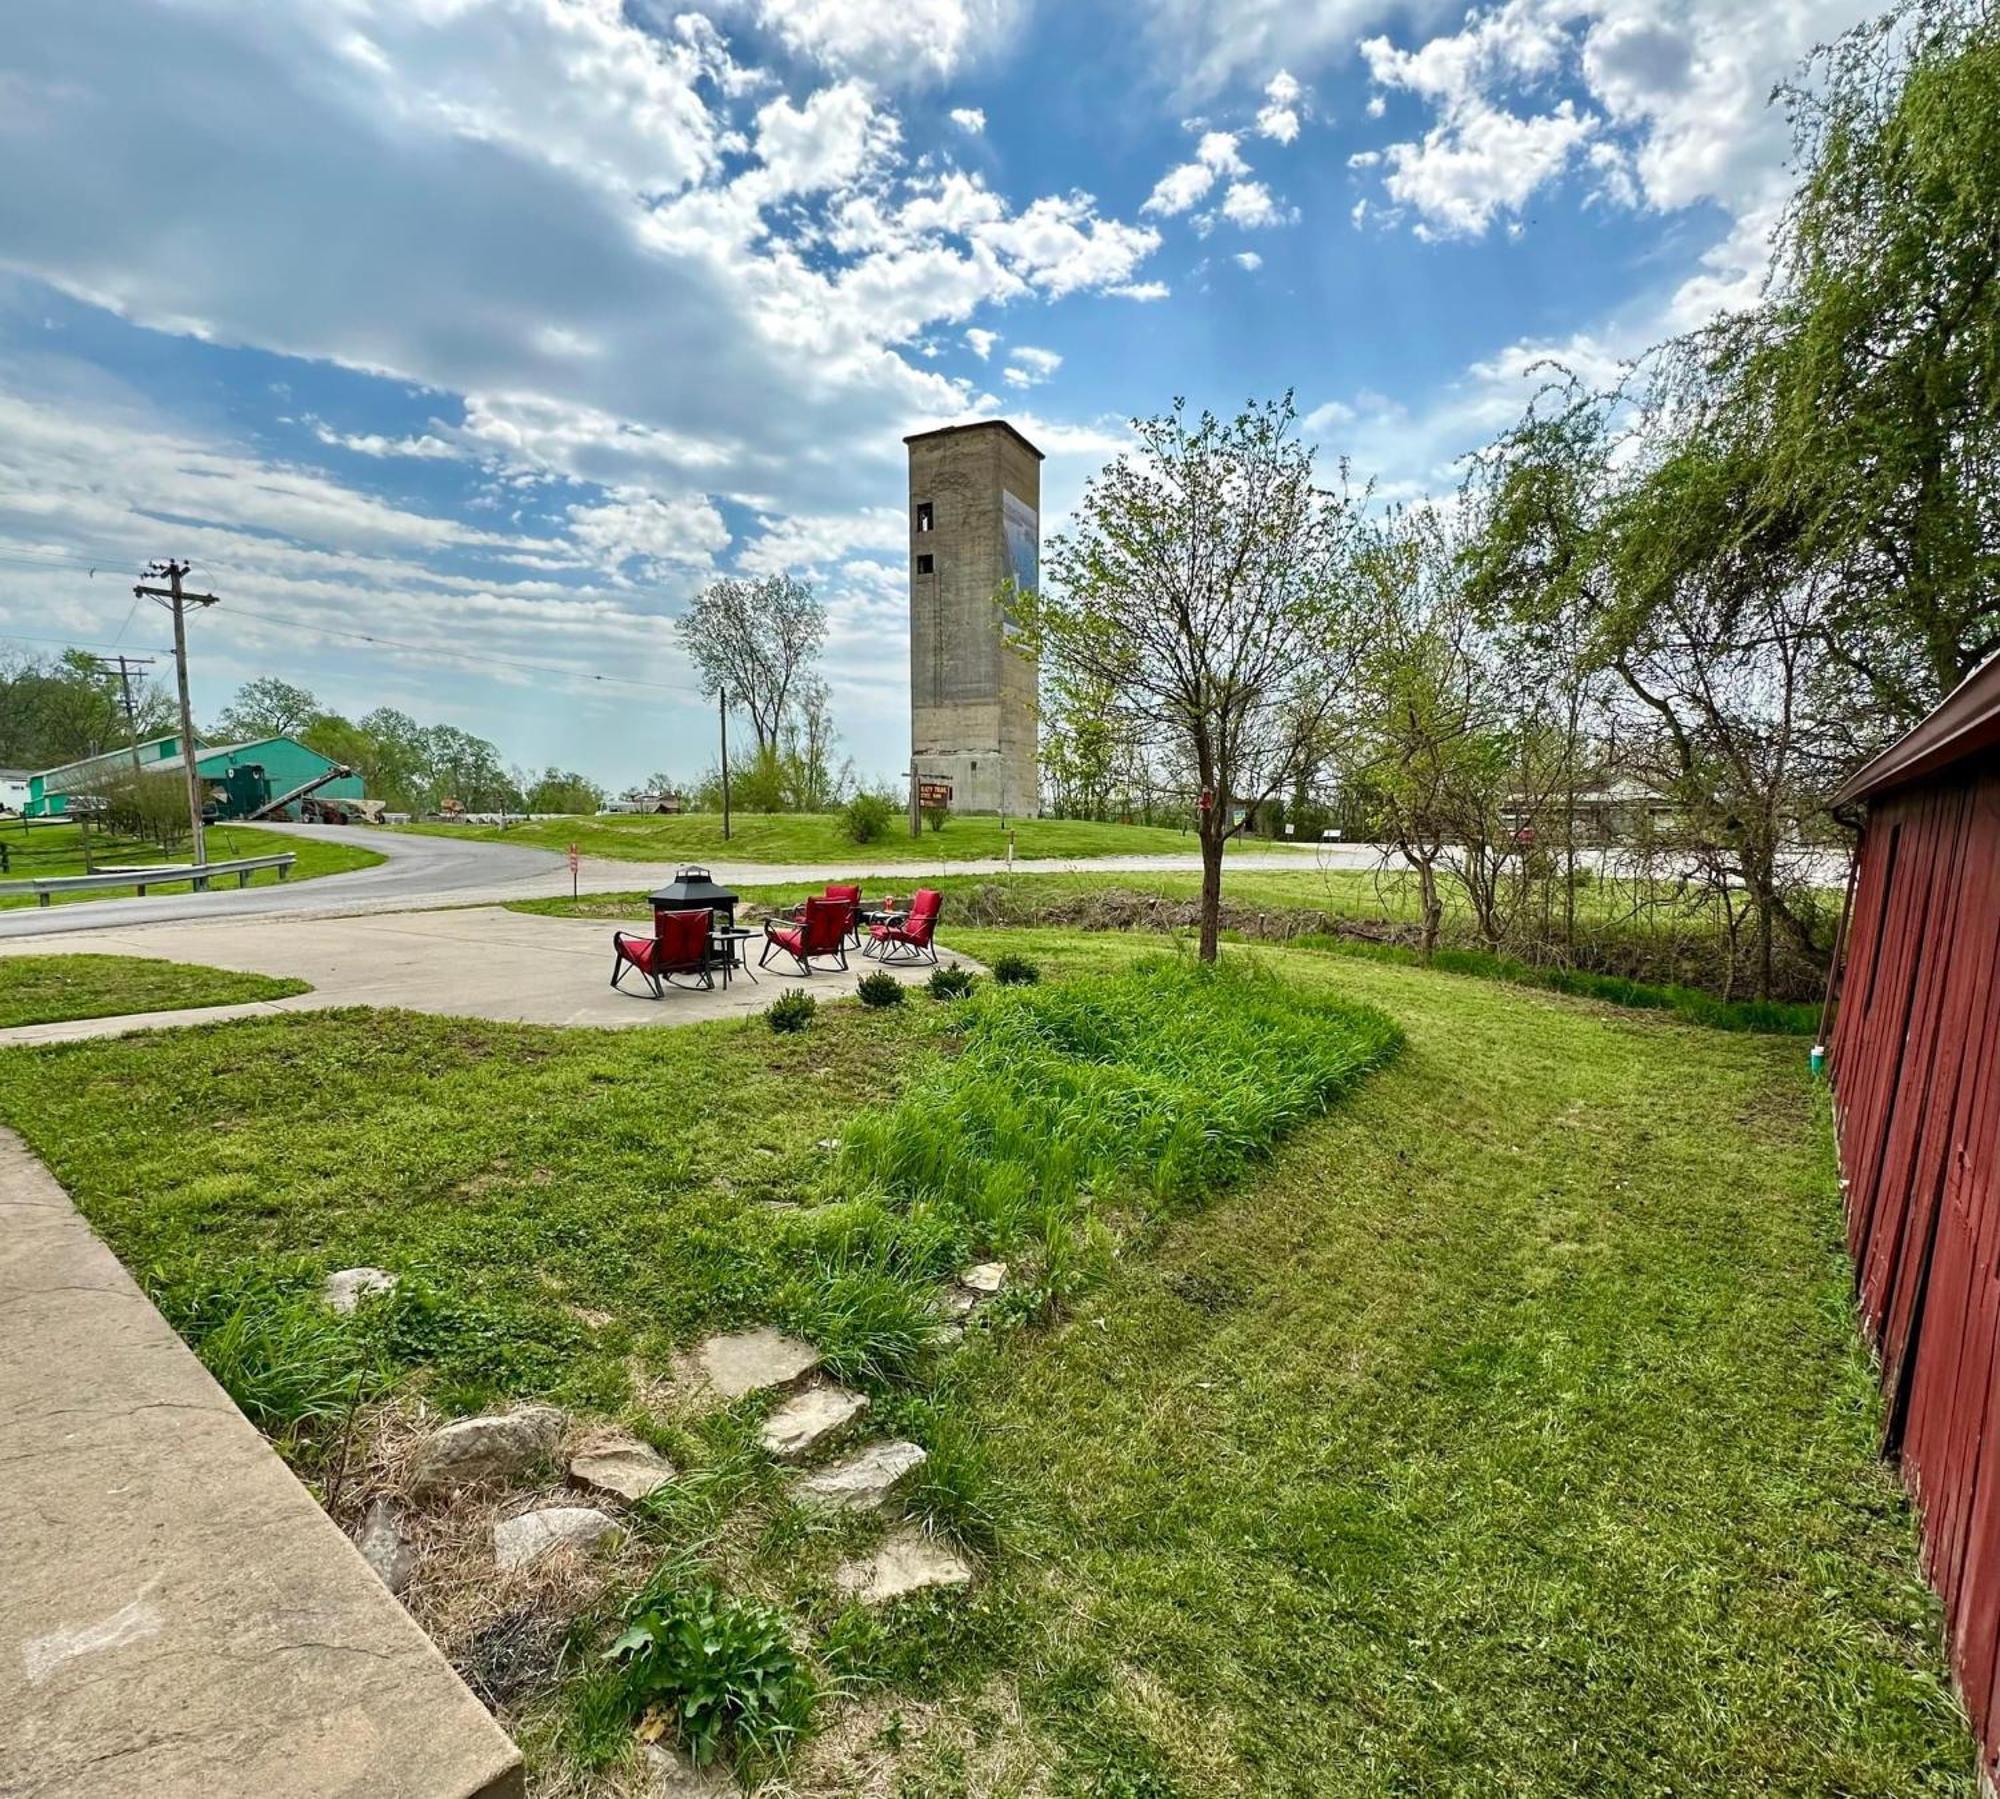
[(821, 935), (910, 941), (849, 896), (678, 950)]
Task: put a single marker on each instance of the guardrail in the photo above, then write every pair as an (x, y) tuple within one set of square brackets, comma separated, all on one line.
[(197, 874)]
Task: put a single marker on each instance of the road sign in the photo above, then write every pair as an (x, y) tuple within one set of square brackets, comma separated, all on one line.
[(572, 870)]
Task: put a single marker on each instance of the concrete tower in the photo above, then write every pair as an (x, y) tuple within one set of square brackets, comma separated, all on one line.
[(975, 526)]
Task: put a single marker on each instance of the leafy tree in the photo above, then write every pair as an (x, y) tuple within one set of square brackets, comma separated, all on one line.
[(564, 790), (1871, 375), (267, 707), (57, 709), (756, 641), (1206, 588)]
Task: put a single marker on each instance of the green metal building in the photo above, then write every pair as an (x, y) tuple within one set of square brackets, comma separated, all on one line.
[(238, 777)]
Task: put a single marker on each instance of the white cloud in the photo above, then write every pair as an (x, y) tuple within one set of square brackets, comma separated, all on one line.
[(919, 40), (636, 526), (969, 118), (1483, 162), (1377, 106), (1248, 259), (1249, 204), (1278, 118), (1144, 291), (981, 341), (826, 143), (1030, 367), (1179, 188), (424, 448)]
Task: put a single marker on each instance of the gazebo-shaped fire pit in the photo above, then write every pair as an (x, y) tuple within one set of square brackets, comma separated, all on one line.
[(692, 890)]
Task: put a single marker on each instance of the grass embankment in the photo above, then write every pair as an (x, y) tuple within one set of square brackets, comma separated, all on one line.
[(1301, 910), (1507, 1432), (50, 989), (50, 850), (818, 838)]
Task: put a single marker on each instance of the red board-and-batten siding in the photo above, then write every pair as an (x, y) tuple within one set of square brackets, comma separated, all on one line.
[(1916, 1078)]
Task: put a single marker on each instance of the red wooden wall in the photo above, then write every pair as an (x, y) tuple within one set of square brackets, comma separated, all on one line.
[(1916, 1075)]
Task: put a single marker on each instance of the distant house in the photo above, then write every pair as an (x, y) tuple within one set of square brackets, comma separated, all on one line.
[(1623, 810), (13, 790), (237, 777)]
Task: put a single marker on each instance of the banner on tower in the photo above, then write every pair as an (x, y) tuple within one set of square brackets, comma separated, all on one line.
[(1024, 543)]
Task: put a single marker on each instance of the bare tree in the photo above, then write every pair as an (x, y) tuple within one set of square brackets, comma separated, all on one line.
[(1206, 590), (754, 640)]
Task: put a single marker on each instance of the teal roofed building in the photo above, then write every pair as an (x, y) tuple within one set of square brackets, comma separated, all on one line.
[(238, 777)]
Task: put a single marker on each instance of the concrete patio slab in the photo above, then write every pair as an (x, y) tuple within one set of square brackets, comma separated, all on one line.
[(179, 1619), (474, 962)]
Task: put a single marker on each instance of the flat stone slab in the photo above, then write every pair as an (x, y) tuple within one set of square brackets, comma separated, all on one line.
[(864, 1482), (808, 1419), (527, 1538), (346, 1288), (984, 1278), (178, 1618), (907, 1562), (751, 1361), (629, 1470)]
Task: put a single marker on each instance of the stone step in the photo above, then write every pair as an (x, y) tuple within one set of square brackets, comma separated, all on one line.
[(862, 1483), (753, 1361), (629, 1469), (908, 1561), (807, 1419)]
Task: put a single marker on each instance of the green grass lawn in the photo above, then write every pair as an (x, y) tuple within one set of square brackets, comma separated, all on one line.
[(58, 850), (48, 989), (817, 837), (1505, 1431)]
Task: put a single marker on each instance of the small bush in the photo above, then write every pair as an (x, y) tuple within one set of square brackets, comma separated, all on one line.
[(866, 816), (950, 983), (725, 1668), (1011, 970), (934, 816), (880, 989), (791, 1011)]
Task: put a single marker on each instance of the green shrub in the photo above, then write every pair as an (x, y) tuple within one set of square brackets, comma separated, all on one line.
[(791, 1011), (866, 816), (950, 983), (725, 1668), (1011, 970), (934, 816), (880, 989)]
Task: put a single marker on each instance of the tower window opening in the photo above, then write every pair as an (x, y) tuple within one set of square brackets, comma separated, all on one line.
[(925, 518), (926, 565)]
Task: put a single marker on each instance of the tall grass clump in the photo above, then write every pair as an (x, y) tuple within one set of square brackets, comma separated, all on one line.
[(1159, 1083)]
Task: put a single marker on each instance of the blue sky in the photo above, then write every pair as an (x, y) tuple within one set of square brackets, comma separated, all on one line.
[(457, 342)]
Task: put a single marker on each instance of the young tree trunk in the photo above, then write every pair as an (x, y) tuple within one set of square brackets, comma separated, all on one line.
[(1212, 840), (1431, 907)]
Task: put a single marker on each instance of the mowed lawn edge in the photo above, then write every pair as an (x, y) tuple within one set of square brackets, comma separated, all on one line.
[(57, 989)]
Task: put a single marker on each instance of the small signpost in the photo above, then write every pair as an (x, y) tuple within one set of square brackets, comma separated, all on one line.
[(933, 793), (572, 870)]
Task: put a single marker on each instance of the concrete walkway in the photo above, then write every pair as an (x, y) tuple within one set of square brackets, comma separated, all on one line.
[(473, 962), (178, 1618)]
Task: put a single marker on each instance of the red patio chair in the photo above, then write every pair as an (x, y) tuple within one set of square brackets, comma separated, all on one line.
[(850, 896), (822, 933), (910, 941), (679, 949)]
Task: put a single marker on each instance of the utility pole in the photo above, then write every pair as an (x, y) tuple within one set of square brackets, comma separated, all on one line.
[(916, 811), (177, 602), (722, 715), (124, 667)]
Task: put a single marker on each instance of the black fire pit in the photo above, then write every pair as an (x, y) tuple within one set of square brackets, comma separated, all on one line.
[(691, 890)]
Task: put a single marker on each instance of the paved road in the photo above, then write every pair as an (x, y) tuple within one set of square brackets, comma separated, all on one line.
[(424, 871)]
